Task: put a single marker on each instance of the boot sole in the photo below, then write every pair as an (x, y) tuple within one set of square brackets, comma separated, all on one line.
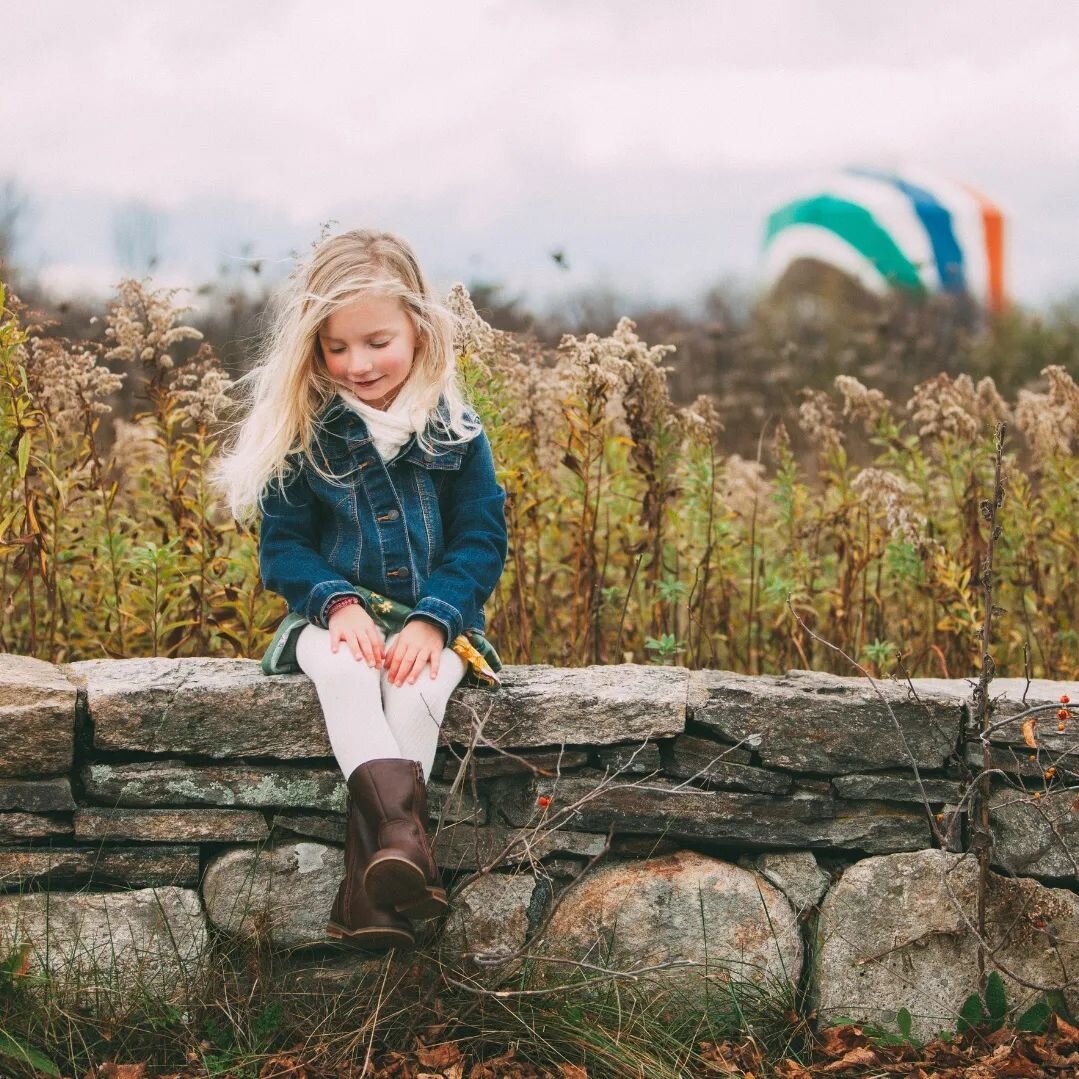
[(399, 883), (371, 939)]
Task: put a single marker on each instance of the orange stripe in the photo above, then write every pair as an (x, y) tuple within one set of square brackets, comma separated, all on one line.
[(993, 230)]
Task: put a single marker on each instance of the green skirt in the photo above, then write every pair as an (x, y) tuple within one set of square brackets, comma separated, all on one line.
[(481, 659)]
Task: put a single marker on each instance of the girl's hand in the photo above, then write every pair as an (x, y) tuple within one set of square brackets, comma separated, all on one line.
[(418, 643), (356, 629)]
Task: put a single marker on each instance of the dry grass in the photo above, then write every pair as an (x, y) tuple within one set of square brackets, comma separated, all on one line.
[(633, 535)]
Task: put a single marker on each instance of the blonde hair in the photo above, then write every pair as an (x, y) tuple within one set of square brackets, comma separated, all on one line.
[(289, 385)]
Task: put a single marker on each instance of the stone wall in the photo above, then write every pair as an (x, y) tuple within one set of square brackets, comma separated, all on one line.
[(799, 828)]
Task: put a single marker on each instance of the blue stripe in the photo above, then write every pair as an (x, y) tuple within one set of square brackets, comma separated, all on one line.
[(937, 222)]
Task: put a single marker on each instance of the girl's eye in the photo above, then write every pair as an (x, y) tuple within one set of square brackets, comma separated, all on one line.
[(379, 344), (337, 350)]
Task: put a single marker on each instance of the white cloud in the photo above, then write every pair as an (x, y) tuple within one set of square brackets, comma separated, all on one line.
[(297, 107)]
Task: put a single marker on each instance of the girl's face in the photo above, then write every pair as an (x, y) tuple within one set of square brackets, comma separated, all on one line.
[(368, 346)]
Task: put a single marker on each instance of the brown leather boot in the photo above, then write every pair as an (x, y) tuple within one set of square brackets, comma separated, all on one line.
[(391, 792), (354, 918)]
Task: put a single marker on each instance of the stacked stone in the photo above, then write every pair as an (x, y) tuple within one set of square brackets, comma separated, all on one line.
[(720, 808)]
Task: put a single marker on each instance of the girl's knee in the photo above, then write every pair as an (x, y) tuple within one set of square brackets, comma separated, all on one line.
[(317, 659)]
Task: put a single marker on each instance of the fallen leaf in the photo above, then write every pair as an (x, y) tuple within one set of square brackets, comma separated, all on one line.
[(440, 1056), (861, 1057), (791, 1069), (837, 1041), (1029, 727), (572, 1071), (1064, 1033), (109, 1070)]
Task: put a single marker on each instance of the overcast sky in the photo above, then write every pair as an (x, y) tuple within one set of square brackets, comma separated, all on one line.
[(647, 140)]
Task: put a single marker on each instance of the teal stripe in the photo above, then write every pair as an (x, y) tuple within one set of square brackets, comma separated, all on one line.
[(858, 227)]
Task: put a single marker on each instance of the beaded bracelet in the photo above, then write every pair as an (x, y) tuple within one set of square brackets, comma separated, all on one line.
[(342, 601)]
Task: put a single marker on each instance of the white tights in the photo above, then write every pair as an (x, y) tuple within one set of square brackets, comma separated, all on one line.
[(366, 716)]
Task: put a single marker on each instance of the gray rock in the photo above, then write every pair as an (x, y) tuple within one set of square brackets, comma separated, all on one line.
[(809, 722), (215, 707), (228, 708), (454, 807), (488, 919), (653, 807), (1035, 837), (108, 948), (37, 716), (330, 829), (1008, 699), (462, 846), (15, 827), (795, 873), (894, 932), (701, 915), (634, 760), (280, 895), (893, 788), (643, 846), (1022, 761), (459, 808), (174, 783), (489, 765), (712, 762), (600, 705), (37, 795), (139, 867), (172, 825)]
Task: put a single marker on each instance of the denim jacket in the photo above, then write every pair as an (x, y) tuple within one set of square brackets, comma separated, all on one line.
[(427, 530)]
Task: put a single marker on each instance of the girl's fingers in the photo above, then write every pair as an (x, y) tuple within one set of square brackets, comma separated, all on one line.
[(373, 651), (435, 657), (363, 646), (422, 659), (405, 667)]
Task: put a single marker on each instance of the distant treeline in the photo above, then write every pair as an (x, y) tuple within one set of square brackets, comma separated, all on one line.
[(757, 358)]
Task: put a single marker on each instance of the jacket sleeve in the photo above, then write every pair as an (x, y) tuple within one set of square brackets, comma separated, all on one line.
[(474, 544), (289, 559)]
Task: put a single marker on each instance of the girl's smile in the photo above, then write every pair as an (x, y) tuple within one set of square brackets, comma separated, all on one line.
[(368, 347)]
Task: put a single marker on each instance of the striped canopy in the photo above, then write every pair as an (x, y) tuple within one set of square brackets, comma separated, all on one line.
[(888, 230)]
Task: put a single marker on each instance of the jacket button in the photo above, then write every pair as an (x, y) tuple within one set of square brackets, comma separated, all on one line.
[(391, 515), (402, 572), (427, 458)]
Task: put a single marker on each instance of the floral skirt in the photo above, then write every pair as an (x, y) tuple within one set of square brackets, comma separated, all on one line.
[(481, 660)]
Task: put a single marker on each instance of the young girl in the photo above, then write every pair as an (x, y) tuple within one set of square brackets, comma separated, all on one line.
[(383, 528)]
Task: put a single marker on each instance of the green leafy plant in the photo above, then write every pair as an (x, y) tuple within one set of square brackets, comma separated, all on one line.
[(991, 1011), (14, 973)]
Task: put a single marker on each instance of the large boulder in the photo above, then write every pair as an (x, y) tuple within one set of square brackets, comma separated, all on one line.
[(487, 925), (687, 919), (37, 716), (281, 895), (118, 945), (898, 932), (1036, 837)]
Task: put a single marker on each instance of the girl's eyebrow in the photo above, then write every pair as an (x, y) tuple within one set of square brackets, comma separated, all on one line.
[(373, 333)]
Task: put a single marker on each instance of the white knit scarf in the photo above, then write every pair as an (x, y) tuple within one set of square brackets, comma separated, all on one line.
[(392, 428)]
